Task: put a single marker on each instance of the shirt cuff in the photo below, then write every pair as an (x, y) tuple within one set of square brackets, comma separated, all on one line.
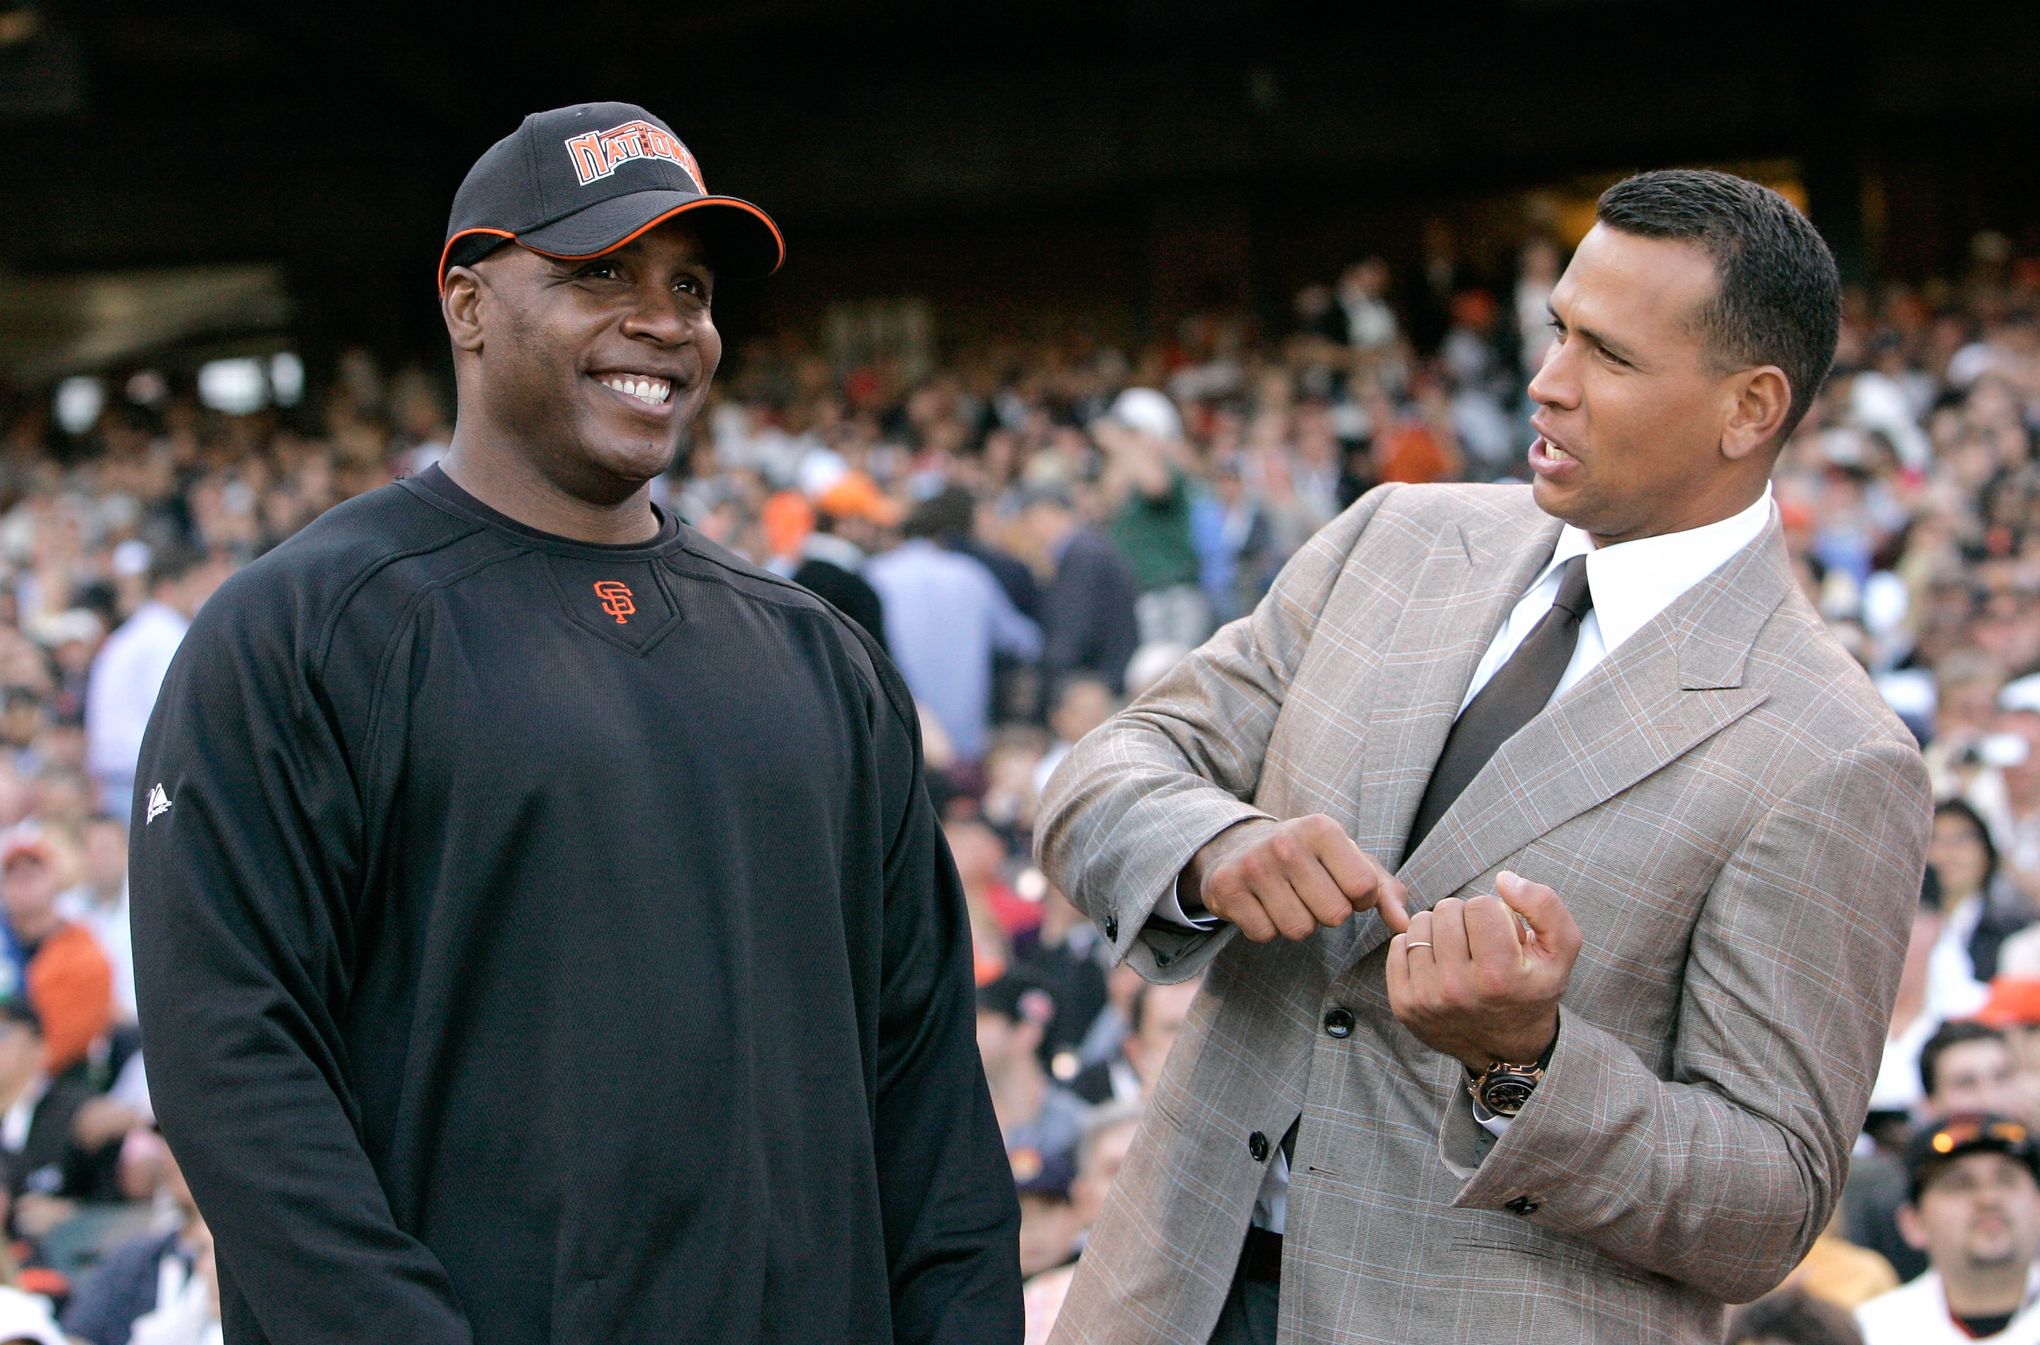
[(1170, 908), (1494, 1124)]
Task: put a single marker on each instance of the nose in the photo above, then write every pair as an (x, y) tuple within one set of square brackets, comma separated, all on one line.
[(1556, 382), (658, 314)]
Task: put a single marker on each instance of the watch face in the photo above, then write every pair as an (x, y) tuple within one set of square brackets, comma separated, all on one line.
[(1505, 1096)]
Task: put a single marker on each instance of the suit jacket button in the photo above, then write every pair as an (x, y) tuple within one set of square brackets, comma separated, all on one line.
[(1257, 1145), (1521, 1205), (1112, 927), (1339, 1023), (1164, 959)]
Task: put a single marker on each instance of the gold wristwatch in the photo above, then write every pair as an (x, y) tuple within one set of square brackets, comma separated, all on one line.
[(1504, 1086)]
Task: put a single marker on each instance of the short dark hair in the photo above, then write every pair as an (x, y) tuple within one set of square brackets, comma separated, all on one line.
[(1945, 1036), (1794, 1315), (947, 513), (171, 561), (1779, 296)]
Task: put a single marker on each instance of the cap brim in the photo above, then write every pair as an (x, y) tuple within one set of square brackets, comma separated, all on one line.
[(742, 239)]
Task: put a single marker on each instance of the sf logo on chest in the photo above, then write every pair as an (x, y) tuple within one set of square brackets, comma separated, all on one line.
[(616, 599)]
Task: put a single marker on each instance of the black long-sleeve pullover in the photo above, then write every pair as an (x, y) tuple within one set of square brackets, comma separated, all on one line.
[(548, 942)]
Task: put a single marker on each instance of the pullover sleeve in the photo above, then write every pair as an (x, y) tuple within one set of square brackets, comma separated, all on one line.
[(246, 868), (951, 1219)]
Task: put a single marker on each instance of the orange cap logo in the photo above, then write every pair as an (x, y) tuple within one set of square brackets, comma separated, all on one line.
[(617, 599), (599, 153)]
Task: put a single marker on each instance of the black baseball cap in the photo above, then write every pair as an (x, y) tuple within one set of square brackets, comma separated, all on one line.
[(580, 181), (1934, 1148)]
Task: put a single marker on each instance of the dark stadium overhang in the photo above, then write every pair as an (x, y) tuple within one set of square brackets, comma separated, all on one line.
[(51, 326)]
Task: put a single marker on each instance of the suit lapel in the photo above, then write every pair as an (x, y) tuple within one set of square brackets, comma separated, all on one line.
[(1670, 687), (1459, 600)]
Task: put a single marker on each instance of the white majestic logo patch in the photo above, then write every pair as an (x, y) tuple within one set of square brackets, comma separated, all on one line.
[(159, 803)]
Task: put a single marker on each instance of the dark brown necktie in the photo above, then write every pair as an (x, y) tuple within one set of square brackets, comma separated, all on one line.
[(1518, 690)]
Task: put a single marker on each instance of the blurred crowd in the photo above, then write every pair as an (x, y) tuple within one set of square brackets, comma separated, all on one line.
[(1036, 530)]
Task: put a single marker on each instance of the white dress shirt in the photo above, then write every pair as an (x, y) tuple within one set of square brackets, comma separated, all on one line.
[(1631, 583)]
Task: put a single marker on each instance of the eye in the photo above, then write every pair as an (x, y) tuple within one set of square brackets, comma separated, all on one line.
[(599, 269), (1612, 358), (693, 285)]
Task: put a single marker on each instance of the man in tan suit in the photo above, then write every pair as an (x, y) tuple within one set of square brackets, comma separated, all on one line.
[(1561, 793)]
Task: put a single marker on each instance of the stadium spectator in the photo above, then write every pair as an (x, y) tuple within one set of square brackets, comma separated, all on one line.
[(1108, 1133), (1147, 492), (1035, 1115), (1087, 607), (1914, 1016), (1975, 1212), (1154, 1020), (57, 963), (144, 1274), (1076, 706), (1048, 1219), (1791, 1317), (1963, 1067), (1979, 910), (848, 517), (99, 902), (1066, 955), (130, 667), (945, 616), (38, 1157)]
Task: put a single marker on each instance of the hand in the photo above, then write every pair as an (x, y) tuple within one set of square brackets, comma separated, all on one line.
[(1487, 986), (1290, 879)]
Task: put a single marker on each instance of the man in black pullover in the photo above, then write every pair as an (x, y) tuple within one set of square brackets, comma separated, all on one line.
[(543, 934)]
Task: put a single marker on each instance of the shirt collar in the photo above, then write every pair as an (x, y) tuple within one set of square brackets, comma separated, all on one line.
[(1633, 581)]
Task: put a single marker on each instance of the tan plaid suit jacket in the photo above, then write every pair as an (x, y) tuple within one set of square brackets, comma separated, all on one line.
[(1726, 807)]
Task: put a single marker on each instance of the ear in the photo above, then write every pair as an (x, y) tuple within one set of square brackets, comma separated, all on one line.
[(1910, 1228), (460, 304), (1762, 399)]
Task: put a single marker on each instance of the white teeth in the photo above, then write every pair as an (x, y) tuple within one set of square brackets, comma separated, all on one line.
[(1552, 450), (651, 391)]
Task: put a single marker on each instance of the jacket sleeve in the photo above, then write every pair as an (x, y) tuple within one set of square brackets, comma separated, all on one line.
[(1141, 794), (1723, 1175), (244, 888), (952, 1222)]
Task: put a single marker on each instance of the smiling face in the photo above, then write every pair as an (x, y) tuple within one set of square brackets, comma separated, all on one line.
[(1641, 433), (586, 373)]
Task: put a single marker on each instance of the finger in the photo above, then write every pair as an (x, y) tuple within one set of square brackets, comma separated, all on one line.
[(1392, 900), (1239, 906), (1418, 937), (1398, 977), (1351, 868), (1549, 921), (1292, 919), (1494, 936), (1448, 934), (1319, 894)]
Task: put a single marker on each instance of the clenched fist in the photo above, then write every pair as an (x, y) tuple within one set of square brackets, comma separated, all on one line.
[(1289, 879)]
